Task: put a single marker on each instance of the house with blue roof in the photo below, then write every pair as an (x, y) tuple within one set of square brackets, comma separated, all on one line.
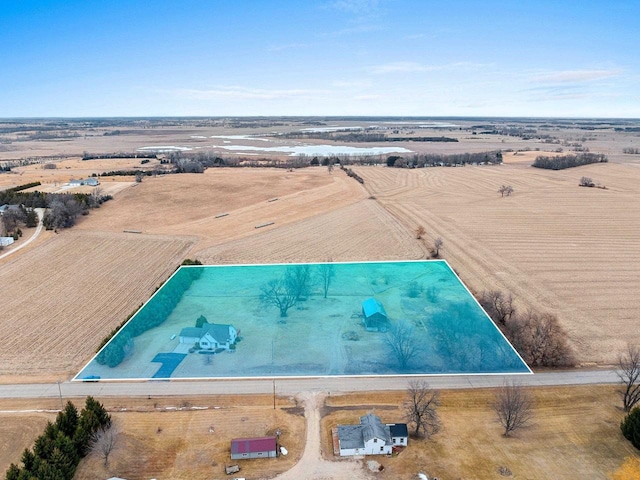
[(374, 316)]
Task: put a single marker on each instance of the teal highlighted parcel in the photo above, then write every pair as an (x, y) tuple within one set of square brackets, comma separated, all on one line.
[(385, 318)]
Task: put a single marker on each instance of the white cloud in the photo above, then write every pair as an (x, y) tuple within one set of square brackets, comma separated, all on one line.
[(574, 76), (351, 83)]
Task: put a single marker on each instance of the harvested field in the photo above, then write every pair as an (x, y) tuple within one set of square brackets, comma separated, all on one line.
[(189, 203), (71, 291), (559, 444), (359, 232), (555, 246)]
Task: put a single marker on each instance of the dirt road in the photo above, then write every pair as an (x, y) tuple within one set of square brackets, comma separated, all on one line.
[(311, 465)]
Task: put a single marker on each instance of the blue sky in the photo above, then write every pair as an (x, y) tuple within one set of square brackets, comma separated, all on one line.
[(337, 57)]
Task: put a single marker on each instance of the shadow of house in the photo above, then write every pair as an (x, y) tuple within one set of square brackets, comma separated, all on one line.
[(374, 316)]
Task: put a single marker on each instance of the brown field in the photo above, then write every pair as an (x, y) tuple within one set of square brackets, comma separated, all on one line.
[(574, 434), (554, 245), (62, 297)]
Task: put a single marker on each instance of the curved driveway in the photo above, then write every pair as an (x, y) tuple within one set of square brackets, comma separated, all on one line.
[(40, 212)]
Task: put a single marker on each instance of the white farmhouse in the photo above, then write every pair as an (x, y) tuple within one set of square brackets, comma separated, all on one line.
[(371, 437), (210, 336)]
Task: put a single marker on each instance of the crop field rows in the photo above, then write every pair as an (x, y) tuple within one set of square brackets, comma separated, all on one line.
[(69, 293), (554, 245)]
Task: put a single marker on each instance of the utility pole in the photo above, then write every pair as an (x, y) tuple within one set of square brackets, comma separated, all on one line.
[(60, 393), (274, 394)]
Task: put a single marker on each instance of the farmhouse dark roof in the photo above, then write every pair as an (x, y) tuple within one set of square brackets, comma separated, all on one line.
[(219, 332), (192, 332), (371, 306), (372, 427), (253, 445), (355, 436), (398, 430)]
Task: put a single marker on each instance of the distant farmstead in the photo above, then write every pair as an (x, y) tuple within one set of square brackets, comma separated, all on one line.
[(263, 447), (91, 182), (374, 316)]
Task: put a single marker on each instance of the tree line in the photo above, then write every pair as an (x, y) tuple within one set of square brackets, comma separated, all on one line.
[(436, 159), (362, 137), (568, 161), (58, 451)]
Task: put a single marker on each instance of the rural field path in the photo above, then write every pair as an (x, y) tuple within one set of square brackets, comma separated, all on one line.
[(311, 465), (40, 212)]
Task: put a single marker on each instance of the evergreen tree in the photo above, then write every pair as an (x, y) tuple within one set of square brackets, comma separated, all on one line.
[(630, 427), (29, 461), (67, 420), (13, 473)]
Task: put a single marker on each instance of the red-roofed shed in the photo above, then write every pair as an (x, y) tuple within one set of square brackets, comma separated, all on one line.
[(263, 447)]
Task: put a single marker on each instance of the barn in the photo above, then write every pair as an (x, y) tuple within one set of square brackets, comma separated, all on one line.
[(374, 316), (263, 447)]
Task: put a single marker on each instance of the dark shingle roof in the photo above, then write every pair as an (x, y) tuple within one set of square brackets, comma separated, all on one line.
[(399, 430)]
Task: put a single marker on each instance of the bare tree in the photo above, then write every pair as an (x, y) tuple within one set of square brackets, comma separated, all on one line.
[(540, 340), (298, 279), (498, 305), (402, 343), (279, 293), (420, 231), (326, 274), (586, 182), (437, 245), (104, 441), (421, 408), (514, 407), (629, 373), (505, 190)]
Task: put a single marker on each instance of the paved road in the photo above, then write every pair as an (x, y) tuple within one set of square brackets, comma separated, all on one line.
[(40, 212), (293, 386)]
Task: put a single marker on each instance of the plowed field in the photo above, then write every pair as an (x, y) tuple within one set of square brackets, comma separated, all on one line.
[(554, 245), (61, 298)]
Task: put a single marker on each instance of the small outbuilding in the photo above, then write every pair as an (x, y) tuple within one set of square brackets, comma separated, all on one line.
[(374, 316), (245, 448)]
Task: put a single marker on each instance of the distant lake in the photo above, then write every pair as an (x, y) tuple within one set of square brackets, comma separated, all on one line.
[(325, 150)]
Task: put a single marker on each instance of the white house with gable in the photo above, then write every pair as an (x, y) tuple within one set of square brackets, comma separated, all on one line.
[(210, 336), (371, 437)]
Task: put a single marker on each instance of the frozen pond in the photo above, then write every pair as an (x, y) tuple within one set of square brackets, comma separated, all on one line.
[(387, 318), (324, 150), (164, 148)]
